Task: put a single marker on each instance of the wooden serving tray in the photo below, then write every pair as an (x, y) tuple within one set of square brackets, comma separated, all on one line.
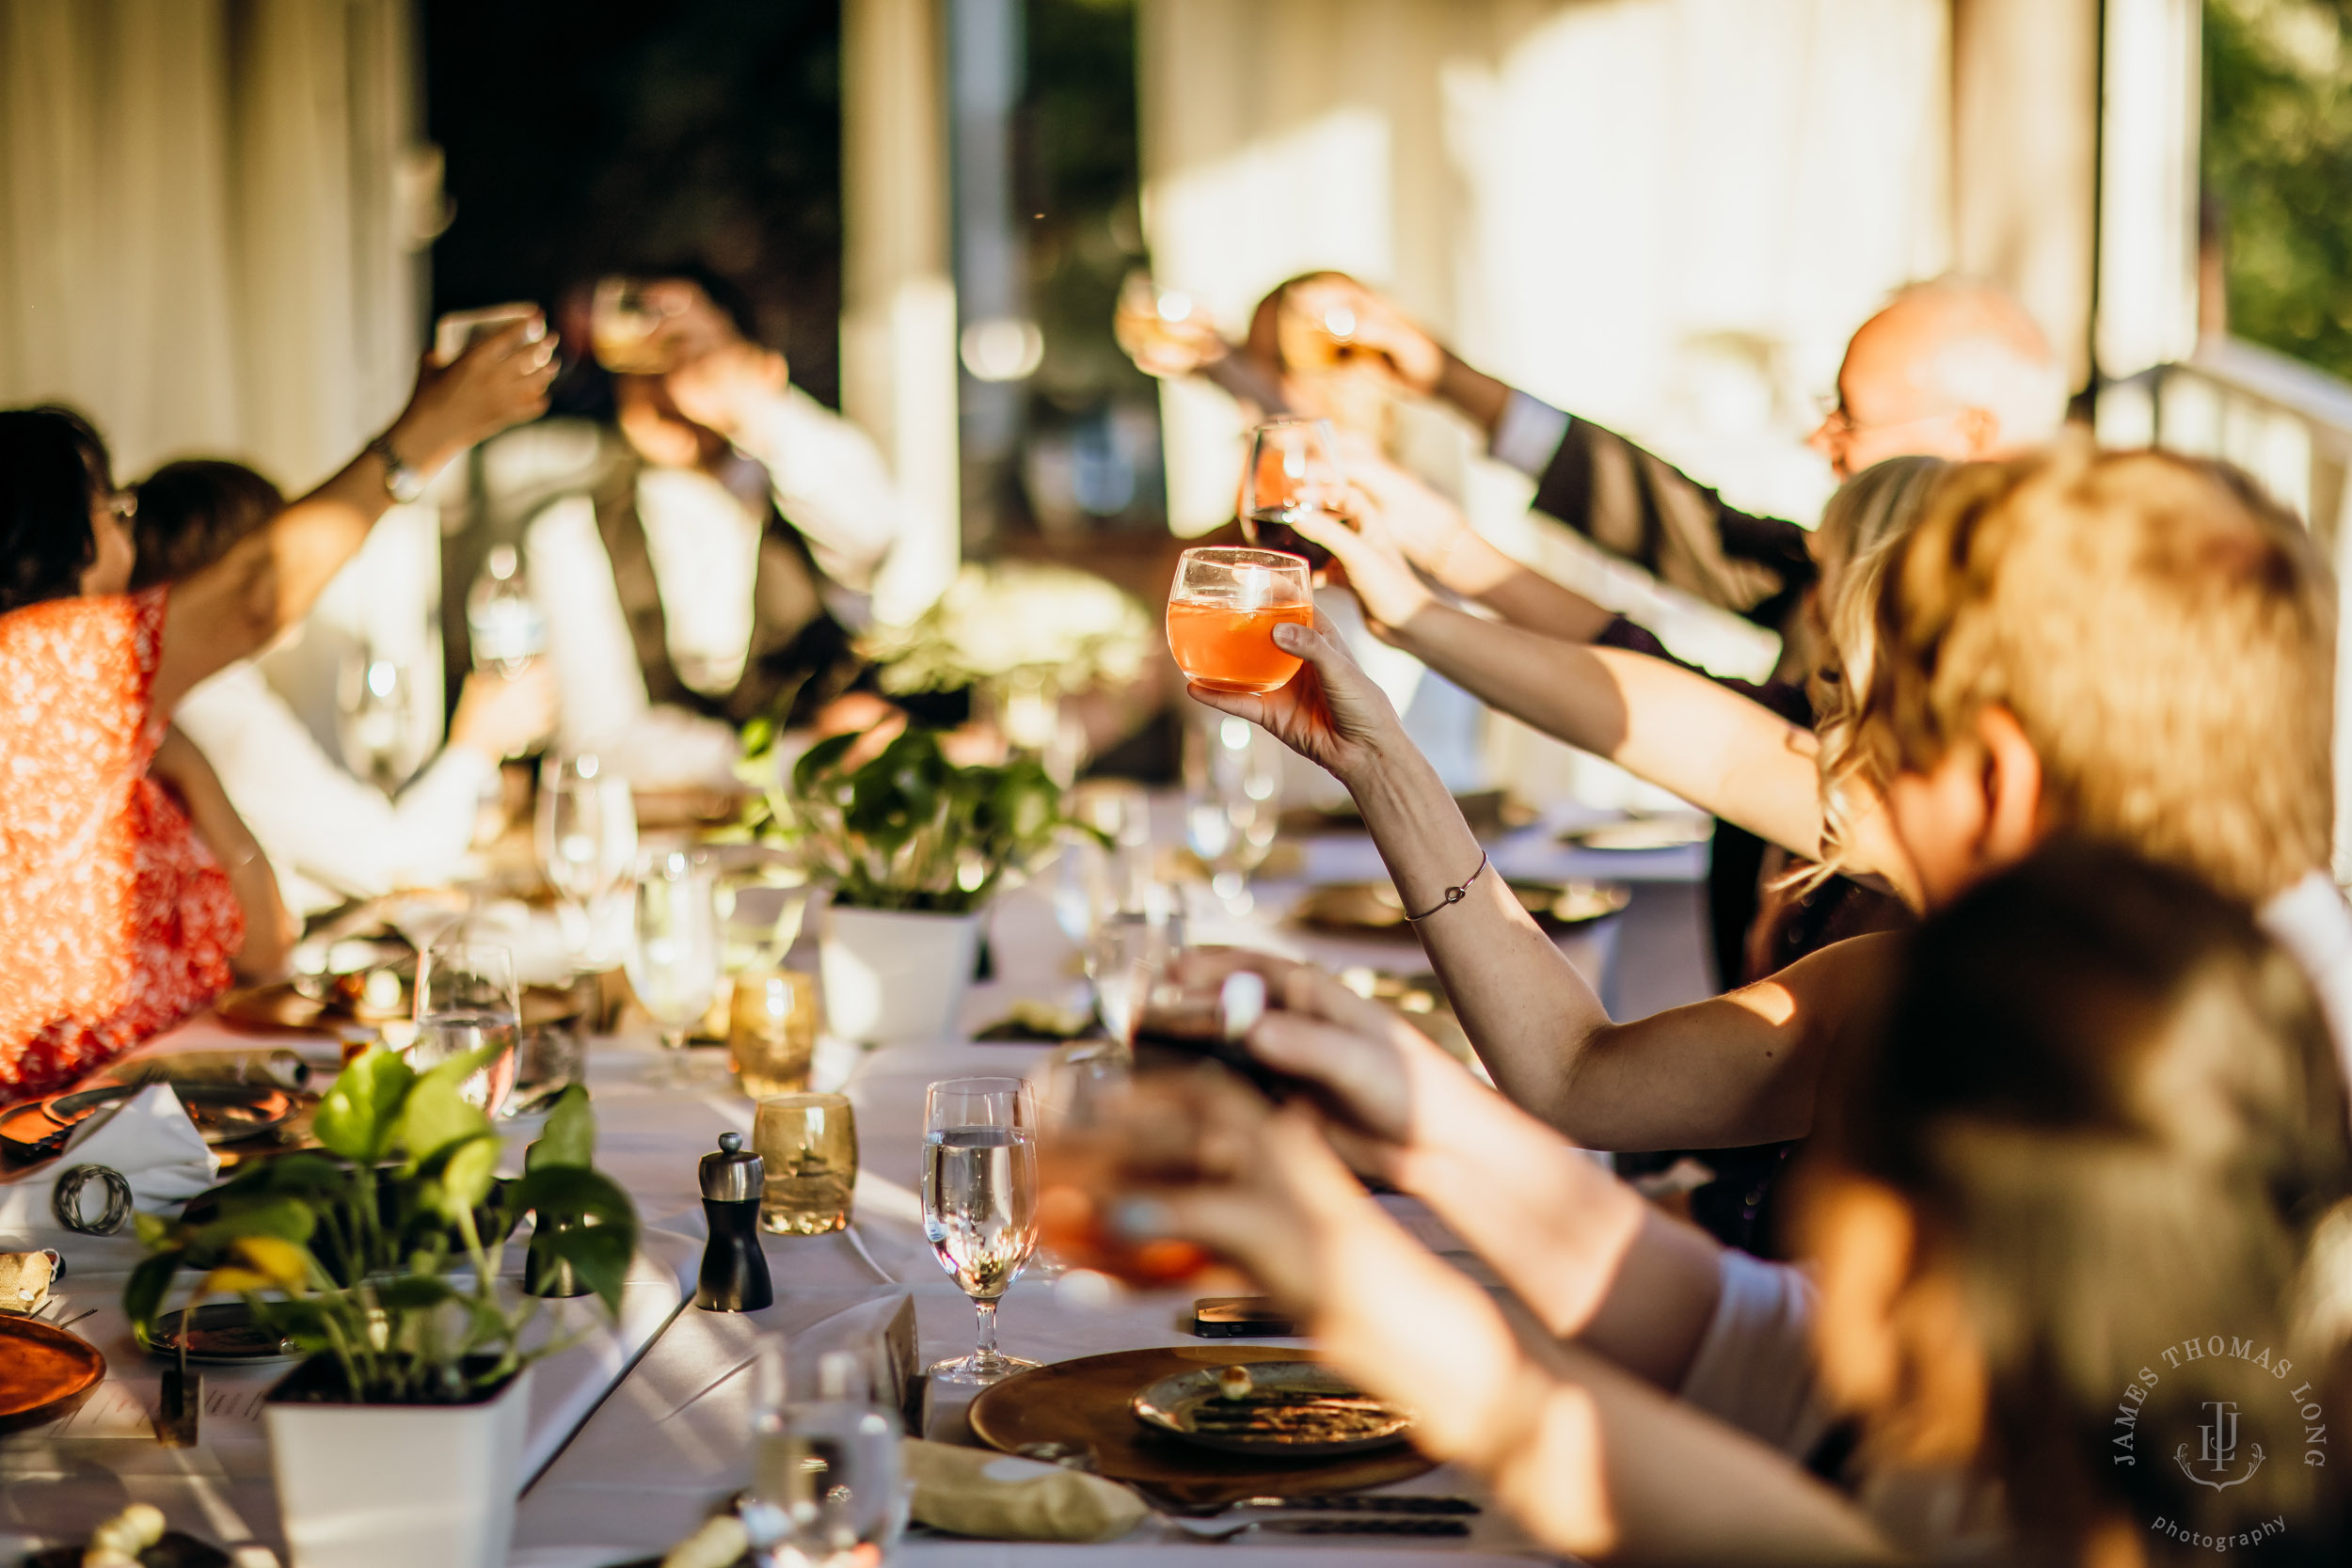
[(1089, 1403), (44, 1371)]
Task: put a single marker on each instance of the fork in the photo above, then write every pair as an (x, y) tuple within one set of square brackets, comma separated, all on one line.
[(1217, 1533)]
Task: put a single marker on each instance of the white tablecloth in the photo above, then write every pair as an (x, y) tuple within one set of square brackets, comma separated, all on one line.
[(636, 1433)]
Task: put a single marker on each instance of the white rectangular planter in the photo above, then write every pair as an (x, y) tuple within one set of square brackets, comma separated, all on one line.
[(894, 977), (400, 1485)]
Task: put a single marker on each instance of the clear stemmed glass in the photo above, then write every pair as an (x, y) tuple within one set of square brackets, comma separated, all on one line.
[(1233, 803), (586, 836), (466, 1000), (673, 958), (1294, 470), (979, 1203), (1129, 953)]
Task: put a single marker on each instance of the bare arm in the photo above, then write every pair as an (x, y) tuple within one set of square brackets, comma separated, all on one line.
[(1735, 1070), (270, 930), (270, 578), (1587, 1458), (1592, 1261), (1722, 752)]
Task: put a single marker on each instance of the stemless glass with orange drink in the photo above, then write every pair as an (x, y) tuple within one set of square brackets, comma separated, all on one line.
[(1086, 1108), (1222, 611)]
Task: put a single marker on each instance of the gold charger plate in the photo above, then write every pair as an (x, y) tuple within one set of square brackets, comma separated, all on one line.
[(1088, 1405), (45, 1373), (1360, 909)]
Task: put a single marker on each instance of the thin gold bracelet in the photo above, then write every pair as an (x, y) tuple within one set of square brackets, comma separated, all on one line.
[(1453, 894)]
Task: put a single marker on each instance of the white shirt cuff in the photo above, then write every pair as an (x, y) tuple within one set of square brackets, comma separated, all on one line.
[(1528, 434), (1755, 1366)]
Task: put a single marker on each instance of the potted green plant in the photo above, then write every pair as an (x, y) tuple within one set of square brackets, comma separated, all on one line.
[(399, 1438), (912, 846)]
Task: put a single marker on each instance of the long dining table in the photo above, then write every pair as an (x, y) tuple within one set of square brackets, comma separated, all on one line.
[(639, 1430)]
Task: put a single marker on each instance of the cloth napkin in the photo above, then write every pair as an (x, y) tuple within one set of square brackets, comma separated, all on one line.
[(148, 1138), (999, 1496)]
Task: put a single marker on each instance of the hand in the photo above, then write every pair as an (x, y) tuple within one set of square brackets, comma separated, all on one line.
[(1329, 713), (1421, 523), (501, 381), (1205, 1159), (1170, 348), (719, 389), (1409, 355), (504, 716), (1370, 563), (1372, 1067)]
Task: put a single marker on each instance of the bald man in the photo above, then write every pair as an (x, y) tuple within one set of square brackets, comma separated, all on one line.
[(1948, 369)]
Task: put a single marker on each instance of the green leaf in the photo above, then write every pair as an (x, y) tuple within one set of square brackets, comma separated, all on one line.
[(570, 1136), (287, 1219), (143, 1295), (818, 760), (598, 1255), (356, 1117), (414, 1293), (466, 1177), (437, 1116)]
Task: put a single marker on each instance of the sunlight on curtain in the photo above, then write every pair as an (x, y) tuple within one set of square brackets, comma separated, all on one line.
[(201, 241)]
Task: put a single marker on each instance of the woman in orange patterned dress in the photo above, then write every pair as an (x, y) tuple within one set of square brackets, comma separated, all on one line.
[(129, 890)]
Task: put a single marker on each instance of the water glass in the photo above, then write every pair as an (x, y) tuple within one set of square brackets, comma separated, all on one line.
[(466, 1001), (585, 832), (808, 1143), (674, 955), (1294, 472), (1125, 959), (979, 1203), (1222, 611), (1233, 803), (827, 1487), (771, 1031)]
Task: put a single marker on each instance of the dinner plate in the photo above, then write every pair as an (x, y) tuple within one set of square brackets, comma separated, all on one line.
[(1638, 833), (1187, 1404), (224, 1335), (1354, 909), (223, 1114), (45, 1373)]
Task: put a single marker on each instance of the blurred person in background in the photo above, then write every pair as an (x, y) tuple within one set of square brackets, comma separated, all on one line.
[(699, 536), (2100, 1116), (2136, 646), (129, 890), (330, 835)]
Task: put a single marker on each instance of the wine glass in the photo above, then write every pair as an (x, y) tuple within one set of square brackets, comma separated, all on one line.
[(466, 1000), (373, 724), (1129, 953), (674, 955), (979, 1203), (1294, 470), (586, 836), (1233, 803), (1222, 611)]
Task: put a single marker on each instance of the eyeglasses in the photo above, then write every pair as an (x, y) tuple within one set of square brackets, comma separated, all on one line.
[(1839, 423)]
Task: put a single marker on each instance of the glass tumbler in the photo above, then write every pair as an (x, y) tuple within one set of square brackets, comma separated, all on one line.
[(771, 1031), (809, 1144)]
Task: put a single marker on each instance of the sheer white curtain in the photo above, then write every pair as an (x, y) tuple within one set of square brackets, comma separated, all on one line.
[(212, 219), (202, 235)]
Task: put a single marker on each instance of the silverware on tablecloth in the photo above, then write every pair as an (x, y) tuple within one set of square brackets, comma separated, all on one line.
[(1328, 1524)]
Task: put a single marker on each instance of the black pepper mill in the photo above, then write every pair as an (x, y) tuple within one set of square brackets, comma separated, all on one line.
[(735, 1271)]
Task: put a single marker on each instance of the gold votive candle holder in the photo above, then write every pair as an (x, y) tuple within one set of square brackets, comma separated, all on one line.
[(771, 1031), (808, 1142)]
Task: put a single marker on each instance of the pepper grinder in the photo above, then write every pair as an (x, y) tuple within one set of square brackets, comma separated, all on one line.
[(735, 1271)]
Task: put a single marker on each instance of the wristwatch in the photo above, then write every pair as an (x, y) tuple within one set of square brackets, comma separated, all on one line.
[(401, 482)]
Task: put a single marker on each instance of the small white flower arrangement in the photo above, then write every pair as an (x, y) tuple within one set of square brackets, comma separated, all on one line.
[(1016, 621)]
